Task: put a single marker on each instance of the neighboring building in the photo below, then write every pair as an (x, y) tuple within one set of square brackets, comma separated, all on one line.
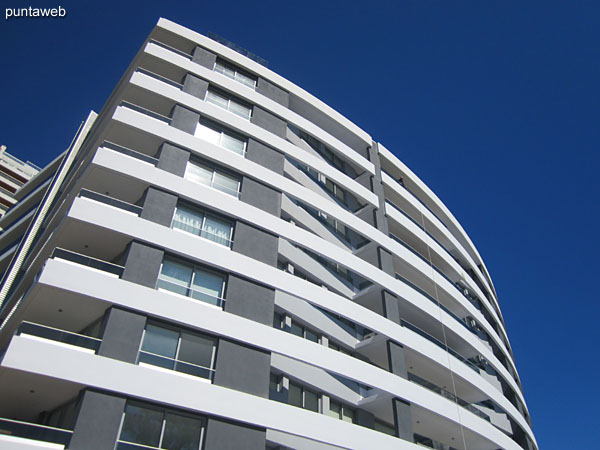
[(222, 261), (13, 174)]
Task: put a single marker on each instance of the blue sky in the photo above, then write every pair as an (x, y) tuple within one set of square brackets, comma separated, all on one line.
[(495, 105)]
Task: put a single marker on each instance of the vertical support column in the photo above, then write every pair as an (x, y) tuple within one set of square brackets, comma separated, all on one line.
[(142, 264), (402, 419), (122, 334), (98, 421)]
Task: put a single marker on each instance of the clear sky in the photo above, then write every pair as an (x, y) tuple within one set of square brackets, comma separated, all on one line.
[(494, 104)]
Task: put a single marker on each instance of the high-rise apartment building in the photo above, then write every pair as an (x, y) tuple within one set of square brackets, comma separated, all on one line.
[(222, 261), (13, 174)]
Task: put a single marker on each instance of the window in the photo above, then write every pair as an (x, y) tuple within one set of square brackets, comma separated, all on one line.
[(145, 427), (303, 332), (341, 411), (303, 398), (180, 350), (224, 101), (192, 281), (386, 428), (213, 177), (218, 135), (331, 223), (234, 73), (202, 224)]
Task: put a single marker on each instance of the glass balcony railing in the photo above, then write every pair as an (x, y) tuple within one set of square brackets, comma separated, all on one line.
[(159, 77), (431, 443), (176, 365), (440, 344), (16, 428), (55, 334), (172, 49), (146, 111), (187, 291), (88, 261), (447, 394), (110, 201), (130, 152)]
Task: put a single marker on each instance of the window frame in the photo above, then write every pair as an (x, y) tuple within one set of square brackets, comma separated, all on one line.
[(223, 131), (236, 71), (180, 330), (164, 411), (205, 215), (194, 267), (215, 170), (230, 99)]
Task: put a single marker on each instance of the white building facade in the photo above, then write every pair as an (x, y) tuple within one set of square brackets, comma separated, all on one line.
[(222, 261)]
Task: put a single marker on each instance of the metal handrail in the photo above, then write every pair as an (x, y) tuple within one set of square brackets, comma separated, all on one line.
[(111, 201), (190, 292), (130, 152), (175, 364), (145, 111), (11, 427), (95, 263), (56, 334)]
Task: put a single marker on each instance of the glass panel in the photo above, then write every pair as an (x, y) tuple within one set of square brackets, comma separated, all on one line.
[(226, 183), (142, 426), (187, 219), (181, 433), (244, 79), (207, 133), (312, 336), (196, 349), (217, 230), (311, 401), (216, 99), (198, 173), (348, 415), (240, 110), (273, 383), (207, 286), (334, 409), (175, 277), (297, 330), (160, 341), (232, 143), (295, 395)]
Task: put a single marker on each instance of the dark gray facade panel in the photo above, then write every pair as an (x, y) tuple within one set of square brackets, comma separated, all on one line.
[(158, 206), (142, 264), (122, 335), (390, 308), (98, 422), (204, 57), (243, 368), (269, 122), (364, 418), (261, 196), (265, 156), (173, 159), (402, 419), (222, 435), (273, 92), (250, 300), (396, 359), (195, 86), (184, 119), (257, 244)]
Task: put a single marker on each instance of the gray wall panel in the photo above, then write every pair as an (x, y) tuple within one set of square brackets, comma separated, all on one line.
[(251, 300), (269, 122), (242, 368), (261, 196), (173, 159), (273, 92), (403, 419), (222, 435), (265, 156), (195, 86), (142, 264), (204, 57), (184, 119), (122, 335), (257, 244), (159, 206), (98, 422)]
